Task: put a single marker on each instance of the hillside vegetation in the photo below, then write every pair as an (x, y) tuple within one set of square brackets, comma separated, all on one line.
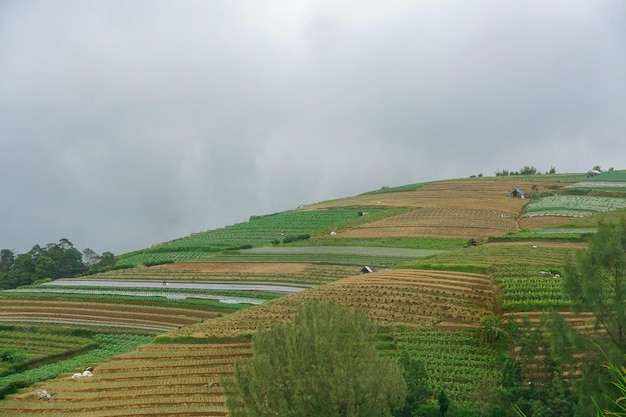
[(457, 265)]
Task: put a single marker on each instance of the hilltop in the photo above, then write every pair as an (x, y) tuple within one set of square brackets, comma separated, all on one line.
[(443, 258)]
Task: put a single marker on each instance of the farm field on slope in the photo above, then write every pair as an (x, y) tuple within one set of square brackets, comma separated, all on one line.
[(393, 298), (437, 309), (153, 380), (304, 273), (447, 209)]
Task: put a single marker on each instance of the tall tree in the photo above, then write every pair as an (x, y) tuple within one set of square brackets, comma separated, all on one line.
[(323, 364), (7, 259), (595, 280)]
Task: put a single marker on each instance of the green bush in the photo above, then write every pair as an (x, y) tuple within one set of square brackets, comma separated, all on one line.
[(11, 388)]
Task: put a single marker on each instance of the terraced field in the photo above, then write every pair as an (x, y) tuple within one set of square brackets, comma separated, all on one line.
[(59, 311), (424, 301), (152, 380), (407, 298), (305, 273)]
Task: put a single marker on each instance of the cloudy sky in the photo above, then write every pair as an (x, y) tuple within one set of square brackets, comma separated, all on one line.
[(129, 122)]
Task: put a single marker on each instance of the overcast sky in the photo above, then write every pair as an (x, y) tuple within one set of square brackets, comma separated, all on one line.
[(129, 122)]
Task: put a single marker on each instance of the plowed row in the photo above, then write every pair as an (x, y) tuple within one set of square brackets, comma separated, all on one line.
[(440, 222), (15, 309), (301, 273), (392, 298), (153, 380)]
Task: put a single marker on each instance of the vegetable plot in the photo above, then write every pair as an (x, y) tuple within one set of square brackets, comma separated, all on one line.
[(573, 205), (152, 380)]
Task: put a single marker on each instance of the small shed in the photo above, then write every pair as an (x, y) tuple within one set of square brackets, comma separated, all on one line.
[(593, 173), (366, 270), (516, 193)]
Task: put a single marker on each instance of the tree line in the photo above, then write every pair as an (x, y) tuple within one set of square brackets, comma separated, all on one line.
[(52, 261)]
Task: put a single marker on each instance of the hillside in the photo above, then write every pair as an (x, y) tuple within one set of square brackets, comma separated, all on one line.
[(188, 307)]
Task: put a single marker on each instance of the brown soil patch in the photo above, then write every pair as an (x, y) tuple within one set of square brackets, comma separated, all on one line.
[(540, 222), (427, 232), (243, 267), (473, 194)]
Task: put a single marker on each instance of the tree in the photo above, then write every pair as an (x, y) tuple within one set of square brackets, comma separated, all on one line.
[(323, 364), (90, 257), (7, 259), (444, 402), (418, 389), (595, 280)]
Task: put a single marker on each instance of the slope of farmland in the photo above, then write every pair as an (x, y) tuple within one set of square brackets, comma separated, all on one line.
[(426, 295), (408, 298), (57, 310), (153, 380), (447, 209)]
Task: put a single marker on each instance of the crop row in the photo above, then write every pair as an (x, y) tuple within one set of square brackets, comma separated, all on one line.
[(261, 230), (307, 274), (150, 380), (498, 256), (455, 361), (392, 298), (573, 205), (14, 309), (109, 345), (450, 217), (355, 259), (171, 295)]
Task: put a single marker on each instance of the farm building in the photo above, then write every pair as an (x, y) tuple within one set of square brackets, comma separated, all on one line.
[(366, 270), (516, 193), (593, 173)]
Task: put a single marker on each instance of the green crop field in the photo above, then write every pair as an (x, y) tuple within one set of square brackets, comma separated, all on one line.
[(258, 231), (456, 361), (573, 205)]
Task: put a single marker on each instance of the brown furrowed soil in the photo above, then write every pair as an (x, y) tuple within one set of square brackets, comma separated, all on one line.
[(447, 209), (151, 381), (409, 298), (539, 222), (77, 312), (476, 194)]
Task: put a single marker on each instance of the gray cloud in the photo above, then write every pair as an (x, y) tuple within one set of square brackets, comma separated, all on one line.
[(127, 123)]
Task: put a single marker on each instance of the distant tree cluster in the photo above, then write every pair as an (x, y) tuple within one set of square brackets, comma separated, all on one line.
[(54, 260), (527, 170)]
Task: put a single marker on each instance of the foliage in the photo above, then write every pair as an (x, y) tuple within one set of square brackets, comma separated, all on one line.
[(324, 363), (418, 386), (532, 381), (456, 362), (109, 345), (595, 280), (619, 403), (54, 260)]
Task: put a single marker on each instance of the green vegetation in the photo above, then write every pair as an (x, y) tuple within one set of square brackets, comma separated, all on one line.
[(407, 243), (325, 363), (108, 345), (573, 205), (457, 362), (23, 346), (288, 227), (595, 280), (55, 260)]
